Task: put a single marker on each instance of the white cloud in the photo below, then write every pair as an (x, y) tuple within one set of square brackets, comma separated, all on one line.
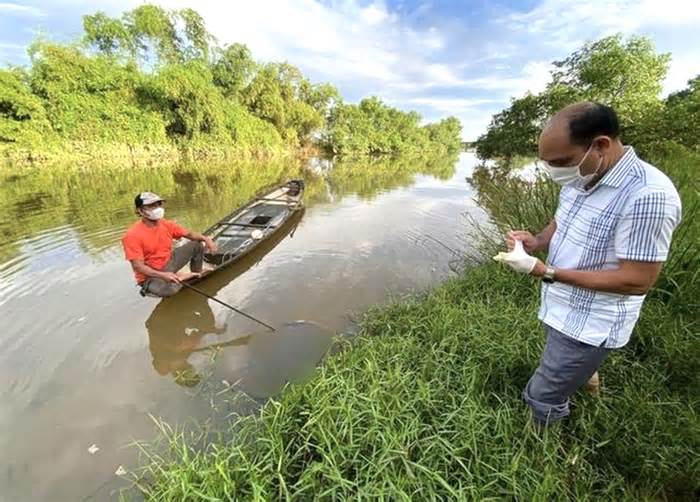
[(682, 68), (565, 25), (15, 8), (374, 14), (446, 105), (533, 78)]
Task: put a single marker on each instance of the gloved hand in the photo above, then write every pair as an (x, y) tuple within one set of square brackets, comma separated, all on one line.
[(517, 259)]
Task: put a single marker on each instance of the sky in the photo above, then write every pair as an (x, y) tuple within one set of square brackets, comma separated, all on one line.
[(440, 58)]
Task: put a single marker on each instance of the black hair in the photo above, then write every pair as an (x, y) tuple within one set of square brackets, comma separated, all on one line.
[(138, 201), (593, 119)]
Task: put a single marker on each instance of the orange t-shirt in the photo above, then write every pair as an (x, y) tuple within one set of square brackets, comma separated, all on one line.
[(153, 245)]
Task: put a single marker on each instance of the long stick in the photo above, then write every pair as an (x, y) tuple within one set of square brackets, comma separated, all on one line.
[(227, 305)]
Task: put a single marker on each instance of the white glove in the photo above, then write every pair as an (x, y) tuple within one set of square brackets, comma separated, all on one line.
[(517, 259)]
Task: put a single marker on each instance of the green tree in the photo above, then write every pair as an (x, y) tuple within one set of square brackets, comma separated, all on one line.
[(373, 128), (233, 70), (681, 116), (191, 103), (150, 33), (447, 132), (22, 114), (626, 75), (108, 35), (92, 98)]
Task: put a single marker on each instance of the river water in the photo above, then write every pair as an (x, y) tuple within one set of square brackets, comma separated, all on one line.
[(84, 360)]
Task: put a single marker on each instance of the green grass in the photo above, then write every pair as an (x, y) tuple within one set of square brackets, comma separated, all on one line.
[(425, 404)]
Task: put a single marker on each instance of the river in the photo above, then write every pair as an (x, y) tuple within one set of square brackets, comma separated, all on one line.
[(85, 361)]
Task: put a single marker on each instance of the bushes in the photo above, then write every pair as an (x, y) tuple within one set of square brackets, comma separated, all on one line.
[(22, 115), (373, 128)]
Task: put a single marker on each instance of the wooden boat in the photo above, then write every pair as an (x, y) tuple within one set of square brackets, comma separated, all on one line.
[(246, 228)]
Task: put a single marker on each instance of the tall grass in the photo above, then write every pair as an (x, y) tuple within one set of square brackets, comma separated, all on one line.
[(425, 405)]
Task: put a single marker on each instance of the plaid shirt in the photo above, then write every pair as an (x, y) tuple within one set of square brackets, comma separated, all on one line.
[(629, 214)]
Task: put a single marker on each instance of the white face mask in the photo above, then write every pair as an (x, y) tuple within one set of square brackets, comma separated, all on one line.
[(154, 214), (571, 174)]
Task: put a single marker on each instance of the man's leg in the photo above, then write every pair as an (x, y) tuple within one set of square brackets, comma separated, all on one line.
[(192, 252), (566, 365)]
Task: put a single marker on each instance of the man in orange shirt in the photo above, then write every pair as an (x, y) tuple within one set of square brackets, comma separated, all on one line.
[(148, 245)]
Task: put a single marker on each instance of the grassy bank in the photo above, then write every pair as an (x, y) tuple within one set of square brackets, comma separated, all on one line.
[(425, 403), (100, 155)]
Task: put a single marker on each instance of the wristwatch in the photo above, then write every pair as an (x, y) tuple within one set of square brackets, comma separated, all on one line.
[(548, 275)]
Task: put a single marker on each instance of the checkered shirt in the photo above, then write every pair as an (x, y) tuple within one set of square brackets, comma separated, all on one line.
[(630, 214)]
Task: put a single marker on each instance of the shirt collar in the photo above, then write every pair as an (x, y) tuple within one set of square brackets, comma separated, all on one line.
[(619, 171)]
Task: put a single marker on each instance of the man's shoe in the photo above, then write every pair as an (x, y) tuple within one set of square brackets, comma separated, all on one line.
[(593, 385)]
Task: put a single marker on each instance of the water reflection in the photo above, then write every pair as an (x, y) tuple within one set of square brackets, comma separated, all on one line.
[(288, 355), (180, 325)]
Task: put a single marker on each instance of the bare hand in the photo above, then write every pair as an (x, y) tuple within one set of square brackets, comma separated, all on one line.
[(170, 277), (211, 246), (530, 242)]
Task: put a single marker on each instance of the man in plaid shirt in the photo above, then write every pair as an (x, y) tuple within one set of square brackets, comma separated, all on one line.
[(606, 244)]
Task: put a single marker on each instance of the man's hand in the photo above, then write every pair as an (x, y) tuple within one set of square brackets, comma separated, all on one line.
[(530, 242), (518, 259), (170, 277), (211, 245)]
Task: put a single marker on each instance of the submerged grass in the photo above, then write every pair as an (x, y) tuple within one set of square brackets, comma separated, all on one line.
[(425, 404)]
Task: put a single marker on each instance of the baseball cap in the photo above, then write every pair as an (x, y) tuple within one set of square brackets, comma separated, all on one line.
[(146, 198)]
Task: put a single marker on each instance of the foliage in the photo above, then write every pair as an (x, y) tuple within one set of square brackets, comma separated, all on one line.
[(677, 121), (156, 78), (22, 115), (626, 75), (373, 128), (190, 102), (150, 31), (279, 92), (233, 70), (92, 98)]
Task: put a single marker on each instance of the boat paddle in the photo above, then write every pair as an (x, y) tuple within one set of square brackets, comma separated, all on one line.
[(238, 311)]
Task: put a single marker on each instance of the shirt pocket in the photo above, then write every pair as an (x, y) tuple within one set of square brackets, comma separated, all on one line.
[(598, 240)]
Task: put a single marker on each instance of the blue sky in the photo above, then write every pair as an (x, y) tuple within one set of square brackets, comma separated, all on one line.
[(463, 58)]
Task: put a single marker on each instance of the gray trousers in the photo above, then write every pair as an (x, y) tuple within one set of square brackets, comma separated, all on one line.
[(192, 252), (566, 365)]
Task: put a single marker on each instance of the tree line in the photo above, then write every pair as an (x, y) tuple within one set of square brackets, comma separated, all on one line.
[(155, 76), (625, 74)]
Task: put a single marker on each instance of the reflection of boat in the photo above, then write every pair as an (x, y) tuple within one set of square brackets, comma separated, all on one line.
[(183, 324), (246, 228)]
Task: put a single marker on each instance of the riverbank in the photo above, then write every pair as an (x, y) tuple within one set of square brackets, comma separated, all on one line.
[(85, 154), (425, 402)]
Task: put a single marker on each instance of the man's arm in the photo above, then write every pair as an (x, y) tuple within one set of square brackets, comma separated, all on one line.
[(140, 266), (545, 236), (631, 278), (196, 236)]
